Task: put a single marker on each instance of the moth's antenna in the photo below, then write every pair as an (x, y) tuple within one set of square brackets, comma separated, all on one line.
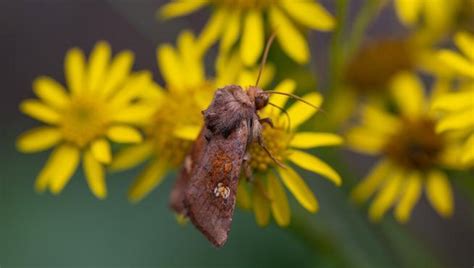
[(294, 97), (265, 55), (283, 111)]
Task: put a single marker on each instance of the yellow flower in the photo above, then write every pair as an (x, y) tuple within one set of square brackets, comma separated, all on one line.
[(265, 194), (412, 152), (232, 19), (463, 65), (177, 117), (437, 16), (80, 122), (371, 68), (457, 106)]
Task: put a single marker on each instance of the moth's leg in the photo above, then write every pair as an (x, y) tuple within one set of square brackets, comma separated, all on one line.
[(266, 120), (247, 168), (262, 144)]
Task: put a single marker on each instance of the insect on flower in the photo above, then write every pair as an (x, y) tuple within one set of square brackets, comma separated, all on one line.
[(206, 188)]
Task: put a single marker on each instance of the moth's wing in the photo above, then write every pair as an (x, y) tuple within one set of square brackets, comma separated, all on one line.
[(191, 162), (210, 210)]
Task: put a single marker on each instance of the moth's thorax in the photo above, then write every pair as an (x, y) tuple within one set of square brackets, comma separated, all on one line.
[(258, 96)]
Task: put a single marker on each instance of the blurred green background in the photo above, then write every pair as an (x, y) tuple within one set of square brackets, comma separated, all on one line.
[(77, 230)]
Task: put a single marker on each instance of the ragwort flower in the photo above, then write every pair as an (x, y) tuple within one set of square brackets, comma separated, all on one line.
[(458, 106), (176, 118), (412, 152), (436, 16), (81, 121), (232, 19), (265, 194)]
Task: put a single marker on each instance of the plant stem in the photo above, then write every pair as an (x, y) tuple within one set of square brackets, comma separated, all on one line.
[(337, 48), (366, 14)]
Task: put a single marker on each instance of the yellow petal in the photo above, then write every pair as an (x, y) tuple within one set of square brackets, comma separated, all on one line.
[(285, 86), (290, 39), (407, 90), (386, 196), (409, 197), (98, 63), (101, 151), (467, 155), (39, 111), (456, 62), (379, 121), (279, 202), (299, 189), (465, 42), (305, 140), (131, 156), (180, 8), (64, 163), (438, 15), (299, 112), (454, 101), (137, 114), (192, 63), (438, 191), (246, 78), (261, 206), (187, 132), (251, 46), (244, 200), (449, 157), (408, 10), (310, 14), (118, 71), (364, 140), (43, 178), (314, 164), (371, 183), (124, 134), (170, 66), (50, 92), (74, 69), (457, 120), (153, 93), (95, 177), (132, 89), (148, 180), (213, 29), (231, 33), (227, 68), (38, 139)]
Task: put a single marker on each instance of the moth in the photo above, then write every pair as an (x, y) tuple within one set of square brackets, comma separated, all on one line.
[(205, 190)]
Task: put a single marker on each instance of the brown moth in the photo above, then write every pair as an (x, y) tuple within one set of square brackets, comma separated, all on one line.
[(205, 190)]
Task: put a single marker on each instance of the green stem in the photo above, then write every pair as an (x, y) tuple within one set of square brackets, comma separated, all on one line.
[(366, 15), (337, 47)]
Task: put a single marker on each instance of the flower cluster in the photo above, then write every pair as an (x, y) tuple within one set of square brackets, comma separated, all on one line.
[(418, 129)]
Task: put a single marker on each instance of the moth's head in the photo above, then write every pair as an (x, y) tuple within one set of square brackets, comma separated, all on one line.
[(260, 97)]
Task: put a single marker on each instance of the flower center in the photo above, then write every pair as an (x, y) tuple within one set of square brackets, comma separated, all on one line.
[(372, 67), (84, 120), (276, 140), (245, 4), (166, 119), (416, 145)]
